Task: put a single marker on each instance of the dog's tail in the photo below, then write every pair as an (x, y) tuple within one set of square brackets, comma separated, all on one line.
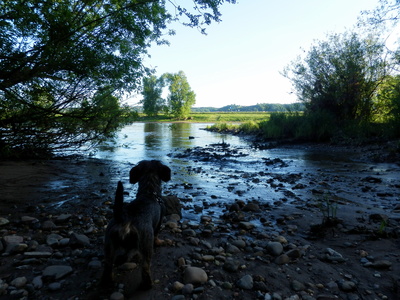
[(118, 204)]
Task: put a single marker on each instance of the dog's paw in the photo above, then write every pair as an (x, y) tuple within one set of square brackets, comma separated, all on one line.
[(146, 283)]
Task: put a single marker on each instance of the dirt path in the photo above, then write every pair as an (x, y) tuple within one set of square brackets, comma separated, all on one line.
[(254, 250)]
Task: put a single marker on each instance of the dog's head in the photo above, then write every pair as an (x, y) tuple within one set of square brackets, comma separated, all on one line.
[(147, 168)]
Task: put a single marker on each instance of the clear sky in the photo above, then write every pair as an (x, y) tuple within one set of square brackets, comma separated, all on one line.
[(240, 59)]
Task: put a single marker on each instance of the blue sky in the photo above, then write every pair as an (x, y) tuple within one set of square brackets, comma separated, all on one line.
[(240, 59)]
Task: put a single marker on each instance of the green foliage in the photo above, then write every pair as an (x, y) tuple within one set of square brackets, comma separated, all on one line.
[(250, 127), (224, 127), (387, 108), (64, 64), (181, 97), (340, 76), (328, 208), (151, 92)]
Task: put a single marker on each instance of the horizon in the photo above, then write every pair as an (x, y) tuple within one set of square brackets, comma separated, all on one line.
[(240, 59)]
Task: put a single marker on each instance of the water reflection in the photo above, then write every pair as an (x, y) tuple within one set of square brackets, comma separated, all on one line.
[(140, 141), (216, 182)]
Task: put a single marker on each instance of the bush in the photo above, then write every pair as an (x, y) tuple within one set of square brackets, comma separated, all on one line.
[(314, 127), (250, 127)]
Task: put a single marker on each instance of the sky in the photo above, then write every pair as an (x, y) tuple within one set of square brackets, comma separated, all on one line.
[(241, 59)]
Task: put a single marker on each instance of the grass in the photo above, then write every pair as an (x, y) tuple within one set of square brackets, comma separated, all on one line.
[(212, 117)]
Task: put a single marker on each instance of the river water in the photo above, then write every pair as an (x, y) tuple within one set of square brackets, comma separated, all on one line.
[(211, 170)]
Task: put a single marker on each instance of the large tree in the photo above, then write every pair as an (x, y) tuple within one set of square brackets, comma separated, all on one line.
[(152, 100), (181, 97), (65, 63), (340, 76)]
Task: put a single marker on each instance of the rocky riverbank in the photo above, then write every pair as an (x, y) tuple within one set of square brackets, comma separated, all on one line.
[(303, 244)]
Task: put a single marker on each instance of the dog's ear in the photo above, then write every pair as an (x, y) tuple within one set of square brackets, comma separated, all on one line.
[(165, 173), (134, 174)]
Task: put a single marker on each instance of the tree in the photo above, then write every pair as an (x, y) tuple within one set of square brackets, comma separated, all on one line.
[(340, 76), (151, 91), (57, 58), (181, 97), (388, 102)]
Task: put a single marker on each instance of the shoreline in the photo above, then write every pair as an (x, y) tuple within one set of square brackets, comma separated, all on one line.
[(280, 257)]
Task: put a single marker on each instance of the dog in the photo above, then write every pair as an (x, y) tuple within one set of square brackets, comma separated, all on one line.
[(133, 231)]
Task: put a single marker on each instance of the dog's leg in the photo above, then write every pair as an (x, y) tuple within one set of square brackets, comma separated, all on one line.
[(106, 278), (147, 251)]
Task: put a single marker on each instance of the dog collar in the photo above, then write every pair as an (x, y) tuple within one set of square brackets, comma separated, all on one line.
[(158, 198)]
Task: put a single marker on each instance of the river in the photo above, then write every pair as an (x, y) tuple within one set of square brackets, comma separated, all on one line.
[(211, 170)]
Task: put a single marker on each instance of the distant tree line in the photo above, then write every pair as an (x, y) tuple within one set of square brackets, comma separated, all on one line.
[(267, 107)]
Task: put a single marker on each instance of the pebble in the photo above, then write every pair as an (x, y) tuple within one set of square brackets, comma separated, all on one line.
[(3, 221), (19, 282), (63, 218), (275, 248), (117, 296), (177, 286), (246, 225), (79, 240), (54, 286), (53, 239), (37, 282), (347, 285), (239, 243), (297, 286), (48, 225), (95, 264), (57, 271), (231, 265), (282, 259), (380, 264), (232, 249), (246, 282), (37, 254), (178, 297), (226, 285), (194, 275), (187, 289), (28, 219), (281, 239), (333, 256)]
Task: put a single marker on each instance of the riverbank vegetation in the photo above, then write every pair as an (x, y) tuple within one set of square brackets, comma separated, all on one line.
[(64, 73), (65, 66)]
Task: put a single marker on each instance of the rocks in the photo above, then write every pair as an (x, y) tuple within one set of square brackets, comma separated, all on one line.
[(79, 240), (380, 264), (231, 265), (275, 248), (297, 286), (259, 249), (3, 221), (333, 256), (19, 282), (117, 296), (56, 272), (194, 275), (246, 282), (246, 225)]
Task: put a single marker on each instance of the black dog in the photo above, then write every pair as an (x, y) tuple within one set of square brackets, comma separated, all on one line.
[(134, 228)]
